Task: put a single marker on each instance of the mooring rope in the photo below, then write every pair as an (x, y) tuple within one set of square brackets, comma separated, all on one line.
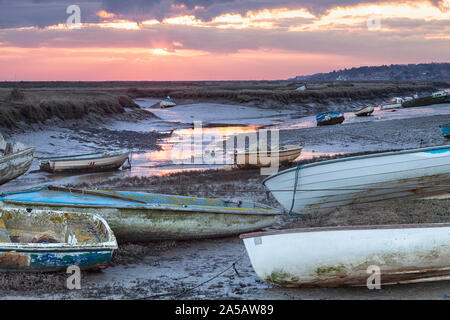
[(183, 292)]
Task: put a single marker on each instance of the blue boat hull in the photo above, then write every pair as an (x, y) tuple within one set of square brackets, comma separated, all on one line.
[(445, 129), (329, 118)]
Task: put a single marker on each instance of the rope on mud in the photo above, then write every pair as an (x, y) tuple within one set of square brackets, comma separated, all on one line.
[(183, 292)]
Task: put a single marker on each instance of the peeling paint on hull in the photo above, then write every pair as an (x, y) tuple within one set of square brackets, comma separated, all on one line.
[(16, 164), (340, 256), (148, 217)]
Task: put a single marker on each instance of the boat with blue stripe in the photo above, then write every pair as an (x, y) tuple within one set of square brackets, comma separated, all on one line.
[(140, 216), (47, 240), (374, 177), (329, 118)]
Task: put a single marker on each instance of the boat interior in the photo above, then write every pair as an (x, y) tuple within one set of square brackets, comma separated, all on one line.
[(21, 226)]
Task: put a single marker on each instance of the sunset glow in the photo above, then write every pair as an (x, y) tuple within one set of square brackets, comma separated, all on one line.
[(191, 42)]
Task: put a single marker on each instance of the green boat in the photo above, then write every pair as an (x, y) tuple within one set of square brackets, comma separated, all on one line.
[(436, 98), (138, 216)]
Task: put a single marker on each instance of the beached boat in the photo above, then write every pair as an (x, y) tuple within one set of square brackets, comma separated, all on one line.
[(167, 103), (445, 129), (347, 256), (329, 118), (437, 97), (393, 104), (137, 216), (15, 160), (380, 176), (364, 112), (42, 240), (282, 155), (92, 162)]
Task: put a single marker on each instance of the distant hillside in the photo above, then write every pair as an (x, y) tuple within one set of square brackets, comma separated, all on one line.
[(394, 72)]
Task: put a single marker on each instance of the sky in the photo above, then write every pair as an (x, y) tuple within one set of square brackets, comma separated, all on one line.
[(53, 40)]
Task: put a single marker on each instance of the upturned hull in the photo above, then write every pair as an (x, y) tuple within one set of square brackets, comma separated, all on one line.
[(15, 164), (410, 173), (365, 112), (347, 256)]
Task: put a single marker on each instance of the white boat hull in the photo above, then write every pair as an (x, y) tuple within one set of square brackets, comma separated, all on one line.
[(89, 164), (15, 164), (410, 173), (342, 256)]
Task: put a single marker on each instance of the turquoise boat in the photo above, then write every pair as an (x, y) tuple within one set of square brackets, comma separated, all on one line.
[(44, 240), (329, 118), (445, 129), (138, 216)]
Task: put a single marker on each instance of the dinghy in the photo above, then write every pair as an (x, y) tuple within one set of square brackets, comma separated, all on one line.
[(92, 162), (346, 256), (393, 104), (445, 129), (137, 216), (374, 177), (282, 155), (42, 240), (364, 112), (167, 103), (329, 118), (15, 160)]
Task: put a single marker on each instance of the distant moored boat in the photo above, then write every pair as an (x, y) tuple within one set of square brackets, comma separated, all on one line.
[(445, 129), (167, 103), (282, 155), (329, 118), (364, 112)]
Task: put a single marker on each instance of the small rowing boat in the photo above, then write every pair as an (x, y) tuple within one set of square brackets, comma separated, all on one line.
[(374, 177), (329, 118), (42, 240), (348, 256), (364, 112), (139, 216), (167, 103), (282, 155), (93, 162), (15, 160), (445, 129)]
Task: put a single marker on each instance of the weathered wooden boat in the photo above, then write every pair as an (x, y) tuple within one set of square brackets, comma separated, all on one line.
[(43, 240), (445, 129), (393, 104), (374, 177), (435, 98), (345, 256), (167, 103), (364, 112), (282, 155), (329, 118), (137, 216), (15, 160), (92, 162)]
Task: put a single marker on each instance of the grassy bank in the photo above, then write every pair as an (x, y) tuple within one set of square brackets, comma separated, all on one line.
[(33, 106)]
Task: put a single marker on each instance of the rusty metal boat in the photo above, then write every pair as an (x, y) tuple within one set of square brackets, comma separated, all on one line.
[(92, 162), (15, 160), (348, 256), (374, 177), (43, 240), (138, 216)]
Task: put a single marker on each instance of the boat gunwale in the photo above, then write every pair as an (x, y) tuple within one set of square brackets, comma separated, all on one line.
[(19, 153), (263, 210), (366, 156), (298, 148), (346, 228), (105, 155)]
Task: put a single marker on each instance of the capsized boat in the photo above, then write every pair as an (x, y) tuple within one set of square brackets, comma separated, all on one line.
[(265, 158), (347, 256), (44, 240), (15, 160), (167, 103), (374, 177), (138, 216), (329, 118), (92, 162), (393, 104), (445, 129), (364, 112)]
